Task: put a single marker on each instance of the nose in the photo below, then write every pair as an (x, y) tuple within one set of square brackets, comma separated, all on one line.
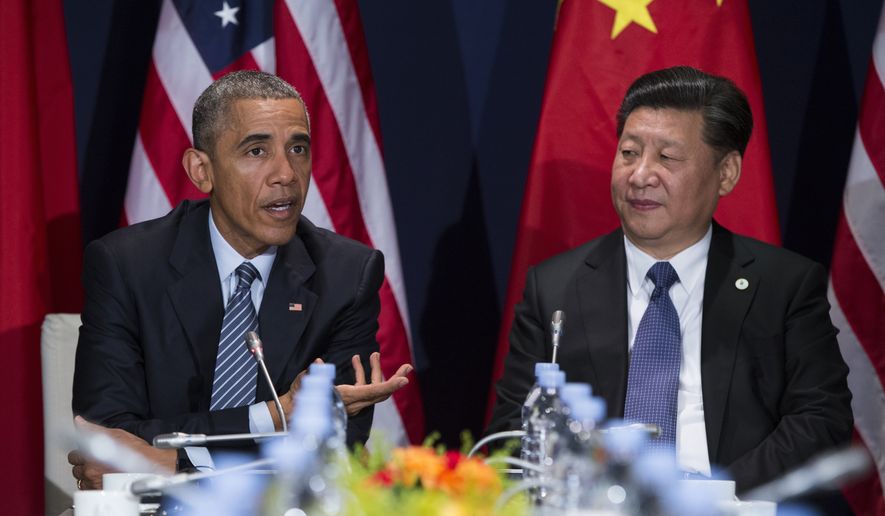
[(282, 172), (645, 173)]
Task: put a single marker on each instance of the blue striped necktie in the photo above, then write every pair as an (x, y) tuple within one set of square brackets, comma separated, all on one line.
[(653, 376), (236, 373)]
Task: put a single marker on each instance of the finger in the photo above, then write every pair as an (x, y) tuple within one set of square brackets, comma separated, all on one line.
[(75, 459), (318, 361), (375, 361), (403, 370), (358, 372)]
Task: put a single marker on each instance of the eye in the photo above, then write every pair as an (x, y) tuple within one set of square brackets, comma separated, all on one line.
[(628, 153), (255, 152), (665, 157), (298, 149)]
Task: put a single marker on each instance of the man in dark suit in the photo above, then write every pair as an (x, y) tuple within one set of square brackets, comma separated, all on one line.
[(166, 297), (735, 356)]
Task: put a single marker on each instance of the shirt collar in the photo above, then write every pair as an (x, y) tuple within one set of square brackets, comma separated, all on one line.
[(227, 259), (689, 264)]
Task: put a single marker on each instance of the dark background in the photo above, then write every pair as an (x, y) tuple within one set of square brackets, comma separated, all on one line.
[(459, 85)]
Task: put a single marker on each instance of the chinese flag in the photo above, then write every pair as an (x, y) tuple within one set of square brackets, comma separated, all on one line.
[(600, 47), (39, 229)]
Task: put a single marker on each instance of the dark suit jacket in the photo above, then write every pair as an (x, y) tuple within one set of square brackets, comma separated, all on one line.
[(152, 319), (773, 379)]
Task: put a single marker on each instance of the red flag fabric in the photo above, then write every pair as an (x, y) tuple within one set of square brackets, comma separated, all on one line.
[(39, 229), (319, 47), (599, 48), (857, 280)]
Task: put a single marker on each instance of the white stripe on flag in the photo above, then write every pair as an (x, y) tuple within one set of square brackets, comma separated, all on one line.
[(265, 55), (145, 198), (315, 209), (864, 205), (387, 427), (868, 396), (181, 69), (324, 38)]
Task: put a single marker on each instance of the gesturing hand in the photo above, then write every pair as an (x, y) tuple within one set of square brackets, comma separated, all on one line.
[(361, 394)]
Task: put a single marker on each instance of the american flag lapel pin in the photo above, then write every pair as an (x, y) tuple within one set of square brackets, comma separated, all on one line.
[(295, 307)]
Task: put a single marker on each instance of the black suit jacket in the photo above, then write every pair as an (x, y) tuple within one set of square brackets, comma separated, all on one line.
[(146, 355), (773, 379)]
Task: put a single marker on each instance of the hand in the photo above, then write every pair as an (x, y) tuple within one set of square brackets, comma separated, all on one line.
[(88, 472), (360, 395), (287, 400)]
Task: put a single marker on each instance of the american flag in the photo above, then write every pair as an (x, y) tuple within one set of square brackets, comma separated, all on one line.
[(857, 279), (319, 47)]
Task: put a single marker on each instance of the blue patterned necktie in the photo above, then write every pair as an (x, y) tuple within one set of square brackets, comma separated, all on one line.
[(236, 373), (653, 378)]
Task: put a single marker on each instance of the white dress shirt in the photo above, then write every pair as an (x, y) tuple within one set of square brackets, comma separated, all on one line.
[(227, 259), (687, 295)]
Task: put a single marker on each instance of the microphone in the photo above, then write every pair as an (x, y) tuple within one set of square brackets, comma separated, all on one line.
[(556, 326), (161, 484), (181, 439), (257, 349), (827, 471)]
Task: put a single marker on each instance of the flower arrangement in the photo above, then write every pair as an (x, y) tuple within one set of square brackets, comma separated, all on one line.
[(424, 480)]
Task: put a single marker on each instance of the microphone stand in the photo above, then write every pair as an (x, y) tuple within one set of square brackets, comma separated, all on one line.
[(257, 349)]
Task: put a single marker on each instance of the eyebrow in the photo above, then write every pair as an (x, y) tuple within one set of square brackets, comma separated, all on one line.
[(262, 137)]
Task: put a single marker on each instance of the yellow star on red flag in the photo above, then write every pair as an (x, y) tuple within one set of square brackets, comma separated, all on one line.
[(631, 11)]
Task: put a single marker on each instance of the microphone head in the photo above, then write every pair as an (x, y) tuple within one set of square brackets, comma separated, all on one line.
[(558, 320), (253, 342)]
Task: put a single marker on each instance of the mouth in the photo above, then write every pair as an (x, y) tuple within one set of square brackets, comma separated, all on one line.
[(643, 204), (281, 208)]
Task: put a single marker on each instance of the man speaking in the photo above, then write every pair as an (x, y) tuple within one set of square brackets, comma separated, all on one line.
[(722, 341), (168, 301)]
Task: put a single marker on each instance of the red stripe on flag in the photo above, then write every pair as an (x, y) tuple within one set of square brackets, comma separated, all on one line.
[(244, 62), (330, 168), (391, 329), (872, 121), (349, 14), (165, 140), (859, 295)]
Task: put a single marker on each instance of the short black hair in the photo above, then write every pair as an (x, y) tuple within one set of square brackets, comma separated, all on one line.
[(213, 104), (728, 121)]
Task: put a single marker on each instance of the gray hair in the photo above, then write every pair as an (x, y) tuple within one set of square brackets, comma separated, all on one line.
[(214, 103)]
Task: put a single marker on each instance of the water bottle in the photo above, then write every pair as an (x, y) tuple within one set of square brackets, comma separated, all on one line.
[(617, 490), (578, 467), (527, 444), (302, 458), (545, 426), (339, 411)]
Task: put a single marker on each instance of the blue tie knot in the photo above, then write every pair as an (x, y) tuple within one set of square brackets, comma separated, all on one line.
[(663, 275), (246, 274)]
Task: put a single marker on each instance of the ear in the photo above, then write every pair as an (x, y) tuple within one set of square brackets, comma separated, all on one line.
[(729, 172), (199, 169)]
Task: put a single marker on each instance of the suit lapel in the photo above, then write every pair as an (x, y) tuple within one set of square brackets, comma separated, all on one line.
[(196, 296), (601, 285), (725, 306), (285, 309)]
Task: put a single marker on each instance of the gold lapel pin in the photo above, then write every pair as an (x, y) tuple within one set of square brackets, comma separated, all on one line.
[(741, 284), (295, 307)]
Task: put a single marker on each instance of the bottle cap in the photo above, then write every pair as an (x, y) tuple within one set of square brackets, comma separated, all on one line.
[(545, 366), (574, 391), (323, 369)]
